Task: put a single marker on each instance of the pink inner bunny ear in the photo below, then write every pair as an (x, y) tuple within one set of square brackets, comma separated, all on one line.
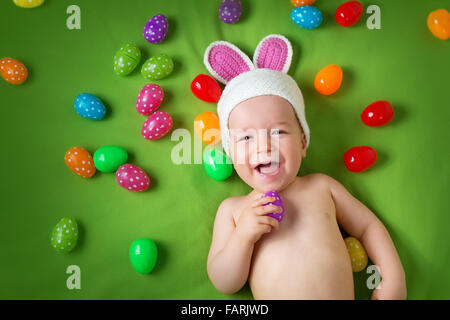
[(273, 52), (225, 61)]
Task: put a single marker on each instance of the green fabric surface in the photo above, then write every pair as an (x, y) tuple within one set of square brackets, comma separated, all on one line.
[(407, 188)]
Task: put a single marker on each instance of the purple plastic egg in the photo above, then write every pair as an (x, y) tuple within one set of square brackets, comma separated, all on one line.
[(157, 125), (230, 11), (132, 178), (277, 202), (149, 98), (155, 31)]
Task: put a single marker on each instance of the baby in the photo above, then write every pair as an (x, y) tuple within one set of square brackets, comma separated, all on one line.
[(264, 131)]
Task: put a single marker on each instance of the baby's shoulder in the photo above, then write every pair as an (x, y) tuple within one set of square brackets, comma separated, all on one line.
[(316, 179)]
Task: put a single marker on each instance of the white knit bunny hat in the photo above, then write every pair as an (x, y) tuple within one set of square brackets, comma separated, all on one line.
[(267, 75)]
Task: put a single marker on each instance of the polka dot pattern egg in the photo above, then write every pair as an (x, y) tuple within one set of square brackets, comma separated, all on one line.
[(126, 59), (230, 11), (157, 125), (299, 3), (13, 71), (155, 31), (157, 67), (89, 106), (307, 17), (64, 235), (278, 202), (28, 3), (80, 162), (149, 99), (358, 255), (132, 178)]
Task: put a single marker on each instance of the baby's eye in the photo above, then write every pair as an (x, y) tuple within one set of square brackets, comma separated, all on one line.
[(245, 138), (277, 131)]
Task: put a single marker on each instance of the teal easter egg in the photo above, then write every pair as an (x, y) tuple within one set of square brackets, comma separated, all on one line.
[(64, 236), (126, 59), (143, 255), (217, 164), (157, 67), (110, 158)]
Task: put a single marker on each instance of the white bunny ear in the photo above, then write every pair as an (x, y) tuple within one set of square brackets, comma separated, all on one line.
[(273, 52), (225, 61)]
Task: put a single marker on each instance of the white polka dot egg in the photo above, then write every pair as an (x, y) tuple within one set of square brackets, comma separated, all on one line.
[(28, 3), (157, 125), (149, 99), (132, 178)]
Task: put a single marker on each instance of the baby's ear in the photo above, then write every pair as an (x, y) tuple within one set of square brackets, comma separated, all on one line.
[(225, 61), (273, 52)]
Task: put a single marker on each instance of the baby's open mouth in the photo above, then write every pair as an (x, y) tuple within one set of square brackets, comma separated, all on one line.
[(268, 168)]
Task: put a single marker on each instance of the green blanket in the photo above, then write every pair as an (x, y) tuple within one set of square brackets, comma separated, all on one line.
[(407, 188)]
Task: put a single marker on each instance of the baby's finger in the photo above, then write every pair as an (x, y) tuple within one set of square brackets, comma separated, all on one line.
[(261, 201), (260, 211), (269, 221)]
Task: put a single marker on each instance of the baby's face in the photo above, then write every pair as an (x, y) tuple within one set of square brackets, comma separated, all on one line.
[(266, 142)]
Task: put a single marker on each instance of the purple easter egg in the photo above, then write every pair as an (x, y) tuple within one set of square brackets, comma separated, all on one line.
[(149, 98), (155, 31), (277, 202), (132, 178), (157, 125), (230, 11)]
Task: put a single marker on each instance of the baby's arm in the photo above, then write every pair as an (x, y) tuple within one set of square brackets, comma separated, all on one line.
[(360, 222), (232, 246)]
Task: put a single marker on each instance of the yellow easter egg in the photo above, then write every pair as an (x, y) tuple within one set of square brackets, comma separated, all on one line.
[(28, 3), (358, 255)]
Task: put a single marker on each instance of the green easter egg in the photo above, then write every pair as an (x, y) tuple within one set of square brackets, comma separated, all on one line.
[(64, 236), (217, 164), (110, 158), (157, 67), (143, 255), (126, 59)]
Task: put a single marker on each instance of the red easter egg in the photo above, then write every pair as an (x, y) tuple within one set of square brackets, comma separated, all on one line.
[(157, 125), (149, 98), (348, 13), (361, 158), (206, 88), (378, 113)]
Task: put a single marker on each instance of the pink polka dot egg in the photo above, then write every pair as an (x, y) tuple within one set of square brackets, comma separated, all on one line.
[(149, 99), (157, 125), (132, 178)]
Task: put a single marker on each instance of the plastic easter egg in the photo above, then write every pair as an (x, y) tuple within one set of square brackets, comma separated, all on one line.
[(157, 67), (13, 71), (207, 127), (230, 11), (299, 3), (217, 164), (358, 255), (359, 159), (348, 13), (206, 88), (378, 114), (149, 99), (157, 125), (110, 158), (143, 255), (278, 202), (132, 178), (28, 3), (126, 59), (439, 23), (155, 30), (307, 17), (328, 80), (89, 106), (64, 236), (80, 162)]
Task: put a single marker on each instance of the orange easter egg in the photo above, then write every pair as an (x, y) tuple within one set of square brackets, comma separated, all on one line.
[(358, 255), (299, 3), (328, 80), (439, 23), (80, 162), (13, 71), (207, 127)]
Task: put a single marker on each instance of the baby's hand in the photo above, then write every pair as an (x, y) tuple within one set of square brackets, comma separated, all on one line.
[(253, 222)]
